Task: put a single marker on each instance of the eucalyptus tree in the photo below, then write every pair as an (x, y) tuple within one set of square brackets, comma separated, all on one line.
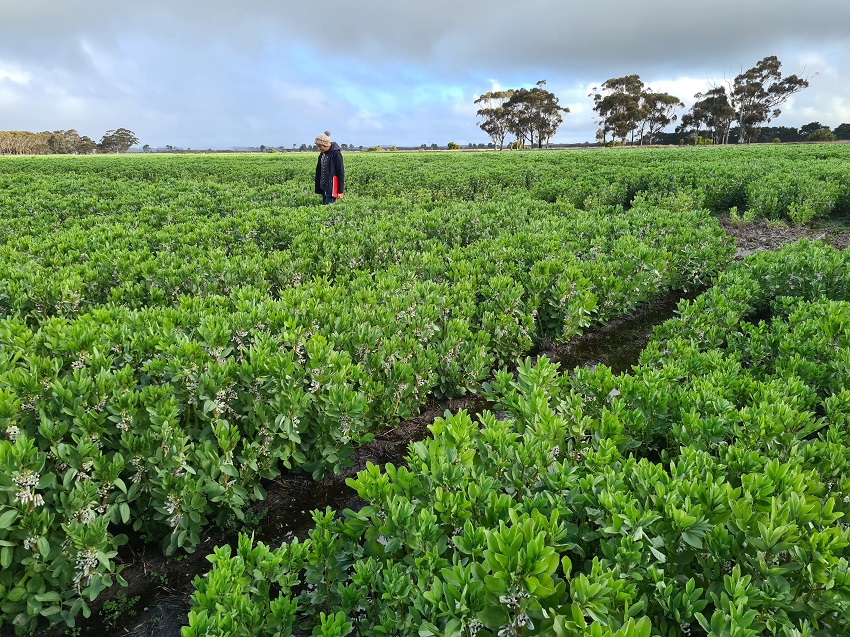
[(531, 115), (618, 106), (756, 94), (24, 143), (811, 127), (842, 131), (821, 135), (492, 113), (714, 110), (658, 110), (117, 141), (534, 114), (690, 124), (64, 142)]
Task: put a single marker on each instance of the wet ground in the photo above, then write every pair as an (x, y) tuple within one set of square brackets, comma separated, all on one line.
[(157, 597), (762, 235)]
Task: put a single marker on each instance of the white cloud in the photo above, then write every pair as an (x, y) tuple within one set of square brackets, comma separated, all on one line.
[(17, 77)]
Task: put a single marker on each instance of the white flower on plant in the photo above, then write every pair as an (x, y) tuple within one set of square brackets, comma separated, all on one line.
[(12, 432), (86, 515), (27, 482), (522, 620), (126, 420), (86, 567), (507, 600), (141, 470), (172, 507), (173, 503)]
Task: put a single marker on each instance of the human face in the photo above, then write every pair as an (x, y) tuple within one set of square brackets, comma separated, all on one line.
[(324, 147)]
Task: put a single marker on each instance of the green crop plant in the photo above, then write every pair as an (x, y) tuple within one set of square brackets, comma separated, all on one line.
[(177, 331), (704, 491)]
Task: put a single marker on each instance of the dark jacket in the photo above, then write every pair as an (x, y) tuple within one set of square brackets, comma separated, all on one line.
[(334, 182)]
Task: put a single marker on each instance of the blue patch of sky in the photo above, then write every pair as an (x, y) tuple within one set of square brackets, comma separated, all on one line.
[(383, 87)]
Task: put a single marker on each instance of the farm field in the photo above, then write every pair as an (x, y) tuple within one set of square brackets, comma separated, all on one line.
[(176, 331)]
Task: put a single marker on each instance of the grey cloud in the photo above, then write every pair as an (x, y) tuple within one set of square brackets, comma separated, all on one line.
[(483, 34)]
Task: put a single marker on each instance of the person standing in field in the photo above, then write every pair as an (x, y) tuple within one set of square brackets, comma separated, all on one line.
[(330, 170)]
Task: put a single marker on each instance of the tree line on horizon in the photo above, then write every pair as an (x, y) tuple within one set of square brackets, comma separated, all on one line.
[(631, 112), (65, 142)]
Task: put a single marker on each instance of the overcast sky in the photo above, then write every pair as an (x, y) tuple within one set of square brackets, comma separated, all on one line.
[(220, 73)]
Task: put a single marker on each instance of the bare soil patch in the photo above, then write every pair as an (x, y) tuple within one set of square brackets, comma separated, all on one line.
[(762, 235)]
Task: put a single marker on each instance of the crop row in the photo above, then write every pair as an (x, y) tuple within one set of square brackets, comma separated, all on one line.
[(708, 491), (124, 256), (797, 182)]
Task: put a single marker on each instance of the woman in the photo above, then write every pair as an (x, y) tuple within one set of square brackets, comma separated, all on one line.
[(330, 171)]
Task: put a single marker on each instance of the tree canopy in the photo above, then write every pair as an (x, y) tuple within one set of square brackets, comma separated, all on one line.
[(842, 131), (494, 118), (712, 110), (117, 141), (532, 115), (821, 135), (756, 94), (626, 106)]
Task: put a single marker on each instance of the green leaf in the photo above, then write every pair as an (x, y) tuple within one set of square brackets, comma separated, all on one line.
[(567, 566), (68, 478), (692, 539), (6, 554), (7, 517), (578, 616), (51, 611)]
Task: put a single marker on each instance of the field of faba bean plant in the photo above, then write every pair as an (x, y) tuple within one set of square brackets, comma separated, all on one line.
[(177, 331)]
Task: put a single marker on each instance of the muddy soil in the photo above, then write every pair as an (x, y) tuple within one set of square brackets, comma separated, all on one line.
[(762, 235), (157, 598)]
